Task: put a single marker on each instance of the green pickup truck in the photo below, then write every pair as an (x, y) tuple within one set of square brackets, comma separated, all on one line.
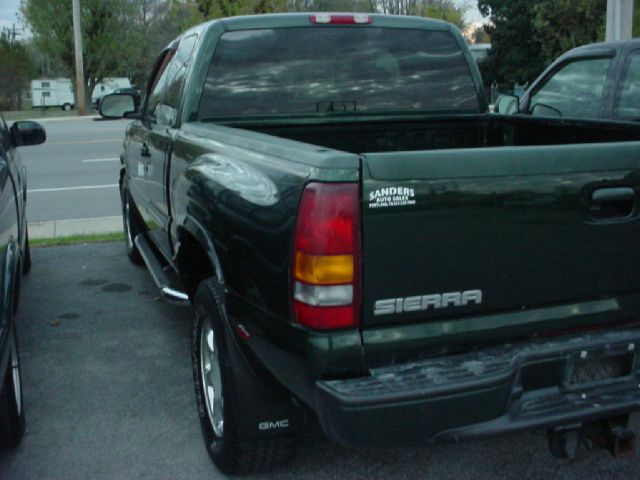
[(364, 244)]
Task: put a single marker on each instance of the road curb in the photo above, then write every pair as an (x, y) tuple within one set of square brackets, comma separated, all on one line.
[(75, 226)]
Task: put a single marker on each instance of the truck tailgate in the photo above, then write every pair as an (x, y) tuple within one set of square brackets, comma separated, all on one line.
[(507, 236)]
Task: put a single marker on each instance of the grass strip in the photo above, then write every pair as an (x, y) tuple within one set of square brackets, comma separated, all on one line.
[(77, 239)]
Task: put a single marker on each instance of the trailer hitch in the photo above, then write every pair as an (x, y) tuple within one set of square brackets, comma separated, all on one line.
[(610, 433)]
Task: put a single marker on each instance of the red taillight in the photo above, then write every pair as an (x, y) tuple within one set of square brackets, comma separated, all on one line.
[(341, 19), (326, 258)]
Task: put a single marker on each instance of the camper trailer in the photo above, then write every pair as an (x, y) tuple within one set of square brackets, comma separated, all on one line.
[(56, 92), (106, 86)]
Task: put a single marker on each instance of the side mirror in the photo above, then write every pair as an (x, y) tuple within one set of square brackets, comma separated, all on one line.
[(507, 105), (118, 105), (543, 110), (27, 133)]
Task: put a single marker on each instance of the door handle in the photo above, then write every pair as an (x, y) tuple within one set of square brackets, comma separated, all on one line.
[(612, 202), (144, 151)]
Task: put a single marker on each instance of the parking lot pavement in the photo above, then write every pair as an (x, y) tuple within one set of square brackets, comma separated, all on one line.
[(108, 394)]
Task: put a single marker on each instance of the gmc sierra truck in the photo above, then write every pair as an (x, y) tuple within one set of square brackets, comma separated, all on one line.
[(363, 243)]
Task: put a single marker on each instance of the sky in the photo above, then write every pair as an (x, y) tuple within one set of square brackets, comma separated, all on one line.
[(9, 10), (472, 15)]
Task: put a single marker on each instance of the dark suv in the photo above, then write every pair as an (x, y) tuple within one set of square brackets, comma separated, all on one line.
[(15, 259)]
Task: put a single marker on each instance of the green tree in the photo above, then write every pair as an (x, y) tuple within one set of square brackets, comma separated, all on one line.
[(329, 6), (156, 24), (480, 35), (565, 24), (230, 8), (440, 9), (516, 49), (15, 70), (636, 18), (107, 35), (527, 35)]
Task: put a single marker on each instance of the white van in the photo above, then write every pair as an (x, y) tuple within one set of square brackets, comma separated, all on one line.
[(106, 86), (56, 92)]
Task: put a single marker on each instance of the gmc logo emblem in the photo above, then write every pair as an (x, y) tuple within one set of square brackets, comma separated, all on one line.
[(276, 425)]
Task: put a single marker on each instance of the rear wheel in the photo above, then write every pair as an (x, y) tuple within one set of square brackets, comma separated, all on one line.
[(66, 107), (131, 228), (230, 451), (11, 409)]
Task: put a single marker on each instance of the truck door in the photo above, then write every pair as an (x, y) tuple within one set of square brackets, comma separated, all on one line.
[(142, 133), (161, 135)]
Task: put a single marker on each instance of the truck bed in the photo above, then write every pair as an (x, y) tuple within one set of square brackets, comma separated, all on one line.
[(524, 211), (441, 132)]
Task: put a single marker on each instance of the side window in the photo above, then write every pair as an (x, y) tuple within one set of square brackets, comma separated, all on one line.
[(156, 86), (573, 91), (176, 71), (627, 102)]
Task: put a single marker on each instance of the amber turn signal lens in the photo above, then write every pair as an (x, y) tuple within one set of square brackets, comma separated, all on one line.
[(323, 269)]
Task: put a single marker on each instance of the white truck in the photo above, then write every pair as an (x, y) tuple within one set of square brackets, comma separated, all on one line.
[(106, 86), (56, 92)]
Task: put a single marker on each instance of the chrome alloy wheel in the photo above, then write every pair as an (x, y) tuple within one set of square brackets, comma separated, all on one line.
[(15, 375), (211, 377)]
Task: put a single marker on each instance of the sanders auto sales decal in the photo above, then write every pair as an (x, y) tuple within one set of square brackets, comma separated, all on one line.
[(391, 197)]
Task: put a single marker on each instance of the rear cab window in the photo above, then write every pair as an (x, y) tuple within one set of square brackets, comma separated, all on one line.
[(337, 69)]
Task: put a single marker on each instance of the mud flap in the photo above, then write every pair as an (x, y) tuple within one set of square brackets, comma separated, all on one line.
[(263, 407)]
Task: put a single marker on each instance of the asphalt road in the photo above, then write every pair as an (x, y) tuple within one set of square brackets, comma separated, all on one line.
[(108, 394), (74, 174)]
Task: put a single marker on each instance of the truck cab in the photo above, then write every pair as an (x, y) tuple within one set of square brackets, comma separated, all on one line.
[(601, 80)]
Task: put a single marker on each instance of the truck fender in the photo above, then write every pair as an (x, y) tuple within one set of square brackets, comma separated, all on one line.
[(276, 412)]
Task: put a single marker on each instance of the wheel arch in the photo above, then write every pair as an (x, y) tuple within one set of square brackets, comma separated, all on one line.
[(196, 258)]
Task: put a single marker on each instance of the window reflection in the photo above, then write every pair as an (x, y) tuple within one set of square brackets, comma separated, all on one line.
[(575, 90), (302, 70), (628, 97)]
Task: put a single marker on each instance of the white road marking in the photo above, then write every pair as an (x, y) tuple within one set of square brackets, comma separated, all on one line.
[(97, 160), (82, 142), (68, 189)]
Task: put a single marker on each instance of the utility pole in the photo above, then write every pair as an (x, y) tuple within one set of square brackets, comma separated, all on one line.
[(619, 20), (77, 37)]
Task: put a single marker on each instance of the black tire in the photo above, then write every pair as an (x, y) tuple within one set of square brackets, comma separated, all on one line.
[(26, 265), (66, 107), (131, 226), (12, 421), (230, 451)]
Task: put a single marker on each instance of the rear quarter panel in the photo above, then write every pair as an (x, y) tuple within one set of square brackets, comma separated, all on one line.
[(242, 189)]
